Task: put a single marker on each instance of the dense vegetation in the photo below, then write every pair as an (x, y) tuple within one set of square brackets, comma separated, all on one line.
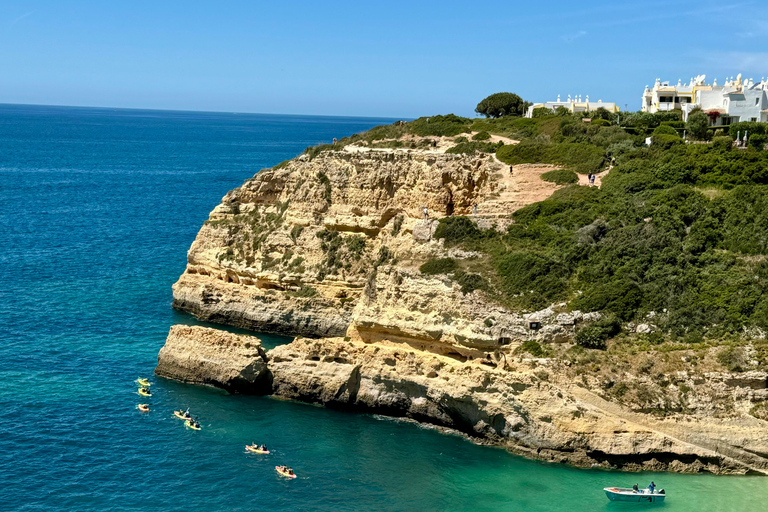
[(675, 237), (502, 104), (560, 177)]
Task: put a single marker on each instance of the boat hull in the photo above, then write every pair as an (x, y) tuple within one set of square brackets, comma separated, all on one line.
[(628, 495)]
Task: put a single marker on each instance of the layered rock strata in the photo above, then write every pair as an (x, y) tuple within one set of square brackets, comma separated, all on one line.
[(530, 411), (200, 355), (291, 250)]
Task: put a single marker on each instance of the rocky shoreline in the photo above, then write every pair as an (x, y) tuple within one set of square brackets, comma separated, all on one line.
[(524, 412)]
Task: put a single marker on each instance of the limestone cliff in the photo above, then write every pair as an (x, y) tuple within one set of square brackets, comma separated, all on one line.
[(291, 250), (329, 248), (531, 410)]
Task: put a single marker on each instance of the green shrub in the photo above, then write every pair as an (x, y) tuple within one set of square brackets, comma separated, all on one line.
[(590, 337), (532, 347), (313, 151), (385, 255), (355, 245), (470, 282), (722, 143), (582, 158), (757, 141), (560, 176), (474, 147), (535, 279), (456, 230), (439, 126), (751, 127), (679, 126), (595, 335), (697, 125), (481, 136), (665, 129), (439, 266), (542, 112), (304, 292), (600, 122), (621, 297), (397, 224), (326, 183), (733, 358), (664, 141)]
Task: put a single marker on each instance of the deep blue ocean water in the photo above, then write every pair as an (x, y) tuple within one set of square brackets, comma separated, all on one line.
[(97, 210)]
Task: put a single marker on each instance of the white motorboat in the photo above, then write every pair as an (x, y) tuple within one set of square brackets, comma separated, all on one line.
[(631, 495)]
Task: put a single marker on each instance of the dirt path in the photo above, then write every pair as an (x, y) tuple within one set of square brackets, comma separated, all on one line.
[(584, 179), (680, 434)]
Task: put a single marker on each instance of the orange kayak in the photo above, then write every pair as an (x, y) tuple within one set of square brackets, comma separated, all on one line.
[(284, 472)]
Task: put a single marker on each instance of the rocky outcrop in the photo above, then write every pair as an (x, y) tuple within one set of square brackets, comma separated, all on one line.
[(291, 250), (329, 248), (200, 355), (530, 410)]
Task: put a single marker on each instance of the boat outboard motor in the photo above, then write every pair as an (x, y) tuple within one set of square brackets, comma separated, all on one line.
[(662, 492)]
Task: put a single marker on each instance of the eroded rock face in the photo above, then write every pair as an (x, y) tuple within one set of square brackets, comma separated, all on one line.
[(290, 251), (529, 412), (200, 355)]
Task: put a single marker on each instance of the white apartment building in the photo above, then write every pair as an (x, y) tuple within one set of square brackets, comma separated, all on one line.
[(736, 100), (573, 105)]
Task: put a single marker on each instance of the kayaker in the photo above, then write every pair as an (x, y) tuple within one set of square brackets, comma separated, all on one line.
[(651, 487), (290, 471), (263, 447)]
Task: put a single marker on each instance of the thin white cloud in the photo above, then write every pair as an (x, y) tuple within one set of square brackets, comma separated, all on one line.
[(569, 38), (746, 62), (30, 13), (754, 28)]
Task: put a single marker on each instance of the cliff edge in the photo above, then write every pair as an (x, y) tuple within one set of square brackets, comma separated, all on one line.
[(332, 246)]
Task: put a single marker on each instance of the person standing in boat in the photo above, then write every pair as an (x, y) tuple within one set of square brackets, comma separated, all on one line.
[(652, 487)]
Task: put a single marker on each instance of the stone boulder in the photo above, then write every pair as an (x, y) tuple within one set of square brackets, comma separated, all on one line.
[(200, 355)]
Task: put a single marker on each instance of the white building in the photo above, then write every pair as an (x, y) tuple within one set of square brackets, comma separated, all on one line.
[(573, 105), (736, 100)]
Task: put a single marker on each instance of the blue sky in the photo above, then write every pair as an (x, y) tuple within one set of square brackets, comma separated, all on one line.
[(397, 59)]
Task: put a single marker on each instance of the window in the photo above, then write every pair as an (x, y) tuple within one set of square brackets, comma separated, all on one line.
[(753, 119), (757, 100)]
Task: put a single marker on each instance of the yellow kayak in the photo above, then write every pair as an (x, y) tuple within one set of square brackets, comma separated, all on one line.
[(143, 407), (189, 424), (255, 449), (144, 392), (180, 415), (143, 382), (283, 471)]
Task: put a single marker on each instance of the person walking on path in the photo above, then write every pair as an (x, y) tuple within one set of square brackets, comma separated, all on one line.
[(591, 180), (426, 213)]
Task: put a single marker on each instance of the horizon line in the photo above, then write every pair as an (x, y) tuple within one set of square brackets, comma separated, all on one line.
[(198, 111)]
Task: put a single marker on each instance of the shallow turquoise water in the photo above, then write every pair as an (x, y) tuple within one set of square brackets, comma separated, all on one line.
[(97, 210)]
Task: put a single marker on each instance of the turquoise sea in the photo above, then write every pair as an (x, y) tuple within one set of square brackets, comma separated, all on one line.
[(97, 210)]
